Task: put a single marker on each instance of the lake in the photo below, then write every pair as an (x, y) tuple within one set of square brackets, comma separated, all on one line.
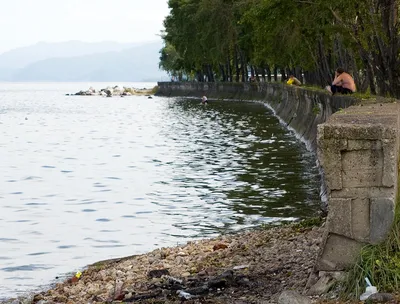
[(84, 179)]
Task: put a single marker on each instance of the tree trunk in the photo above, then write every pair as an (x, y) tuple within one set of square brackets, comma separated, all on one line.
[(268, 73), (222, 71), (237, 66), (275, 74), (229, 69), (263, 74), (243, 66), (283, 75)]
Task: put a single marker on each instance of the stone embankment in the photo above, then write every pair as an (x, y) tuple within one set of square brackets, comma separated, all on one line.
[(358, 150)]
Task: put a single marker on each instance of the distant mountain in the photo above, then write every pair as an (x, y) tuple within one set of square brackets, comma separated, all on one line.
[(137, 63), (21, 57)]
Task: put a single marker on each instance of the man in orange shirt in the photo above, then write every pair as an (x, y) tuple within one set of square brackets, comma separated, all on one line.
[(343, 83)]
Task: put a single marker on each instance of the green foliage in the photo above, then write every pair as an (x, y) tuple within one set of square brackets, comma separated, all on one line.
[(154, 90), (228, 37), (380, 263), (316, 110), (300, 225), (309, 223)]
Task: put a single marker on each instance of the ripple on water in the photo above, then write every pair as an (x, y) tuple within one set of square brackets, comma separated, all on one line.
[(66, 246), (109, 231), (103, 241), (89, 210), (36, 204), (108, 246), (20, 279), (32, 178), (103, 220), (99, 185), (30, 267), (8, 240), (143, 212), (90, 202), (38, 253)]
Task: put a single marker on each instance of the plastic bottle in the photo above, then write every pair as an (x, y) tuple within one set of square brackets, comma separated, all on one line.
[(368, 291)]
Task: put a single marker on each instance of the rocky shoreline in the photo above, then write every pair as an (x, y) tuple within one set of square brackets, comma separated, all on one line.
[(247, 267), (115, 91), (271, 264)]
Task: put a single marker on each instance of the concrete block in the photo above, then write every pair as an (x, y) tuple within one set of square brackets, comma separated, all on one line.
[(381, 218), (363, 192), (390, 158), (339, 217), (360, 222), (351, 131), (362, 168), (364, 145), (363, 159), (389, 132), (338, 253), (330, 160)]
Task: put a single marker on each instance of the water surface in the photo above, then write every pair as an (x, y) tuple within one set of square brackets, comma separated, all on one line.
[(89, 178)]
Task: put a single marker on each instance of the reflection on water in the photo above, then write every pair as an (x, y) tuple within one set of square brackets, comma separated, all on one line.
[(89, 178)]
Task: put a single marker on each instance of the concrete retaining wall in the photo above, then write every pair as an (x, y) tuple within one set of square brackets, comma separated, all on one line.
[(358, 150)]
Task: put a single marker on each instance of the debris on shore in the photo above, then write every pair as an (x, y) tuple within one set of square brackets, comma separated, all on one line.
[(247, 267)]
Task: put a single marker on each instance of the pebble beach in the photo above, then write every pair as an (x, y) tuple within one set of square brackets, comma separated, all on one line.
[(247, 267)]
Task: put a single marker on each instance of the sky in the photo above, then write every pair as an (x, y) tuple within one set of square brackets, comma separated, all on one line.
[(26, 22)]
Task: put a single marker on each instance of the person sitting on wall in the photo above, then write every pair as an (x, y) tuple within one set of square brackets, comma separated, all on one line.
[(343, 83), (204, 100), (293, 81)]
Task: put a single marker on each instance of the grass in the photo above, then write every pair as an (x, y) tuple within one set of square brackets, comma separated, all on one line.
[(305, 224), (316, 110), (380, 263), (154, 90)]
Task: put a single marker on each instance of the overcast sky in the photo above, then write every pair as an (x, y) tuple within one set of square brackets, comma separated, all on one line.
[(26, 22)]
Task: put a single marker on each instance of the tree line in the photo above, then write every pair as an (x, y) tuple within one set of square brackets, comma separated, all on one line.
[(230, 40)]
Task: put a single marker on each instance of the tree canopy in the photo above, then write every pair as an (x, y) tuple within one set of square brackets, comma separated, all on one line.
[(229, 40)]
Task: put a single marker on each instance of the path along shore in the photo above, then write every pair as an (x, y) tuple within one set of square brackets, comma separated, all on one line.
[(247, 267)]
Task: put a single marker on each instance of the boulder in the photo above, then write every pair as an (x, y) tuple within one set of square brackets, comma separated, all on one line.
[(380, 298)]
